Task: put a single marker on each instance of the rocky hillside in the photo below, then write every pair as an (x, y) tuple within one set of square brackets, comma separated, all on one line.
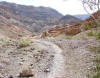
[(10, 27), (73, 29), (67, 19), (75, 55), (37, 13), (34, 18)]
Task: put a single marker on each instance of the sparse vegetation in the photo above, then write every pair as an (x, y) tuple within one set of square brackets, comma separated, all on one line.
[(1, 39), (98, 36), (86, 26), (94, 49), (90, 33), (23, 43), (89, 26), (78, 38), (88, 76), (3, 42), (97, 75), (95, 70)]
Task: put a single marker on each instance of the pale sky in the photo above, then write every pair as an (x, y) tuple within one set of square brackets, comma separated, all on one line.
[(65, 7)]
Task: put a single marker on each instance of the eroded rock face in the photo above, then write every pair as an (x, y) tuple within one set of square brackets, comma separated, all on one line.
[(67, 30)]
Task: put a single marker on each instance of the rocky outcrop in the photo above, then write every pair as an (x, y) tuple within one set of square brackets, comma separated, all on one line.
[(74, 28), (33, 18), (67, 30)]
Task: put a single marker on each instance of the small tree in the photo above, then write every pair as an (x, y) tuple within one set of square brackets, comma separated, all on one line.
[(91, 6)]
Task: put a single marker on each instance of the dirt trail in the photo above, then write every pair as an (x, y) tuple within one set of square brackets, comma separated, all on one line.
[(58, 65), (70, 60), (77, 56)]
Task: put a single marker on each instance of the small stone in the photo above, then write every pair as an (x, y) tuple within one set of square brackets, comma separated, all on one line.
[(31, 64), (32, 48), (39, 51), (21, 58), (35, 56), (38, 58), (24, 50), (21, 63), (30, 56), (47, 70), (52, 55)]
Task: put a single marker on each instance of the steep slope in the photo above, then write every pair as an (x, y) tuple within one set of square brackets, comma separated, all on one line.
[(10, 27), (34, 18), (38, 13), (60, 30)]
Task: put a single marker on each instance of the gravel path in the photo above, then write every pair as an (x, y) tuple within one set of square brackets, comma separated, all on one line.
[(57, 68)]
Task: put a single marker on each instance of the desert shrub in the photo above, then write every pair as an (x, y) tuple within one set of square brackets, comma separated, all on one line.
[(86, 26), (98, 36), (93, 25), (23, 43), (90, 33), (89, 26)]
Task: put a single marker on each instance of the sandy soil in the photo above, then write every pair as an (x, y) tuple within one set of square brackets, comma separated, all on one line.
[(47, 58)]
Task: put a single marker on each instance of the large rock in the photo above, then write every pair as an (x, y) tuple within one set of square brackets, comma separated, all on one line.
[(27, 73)]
